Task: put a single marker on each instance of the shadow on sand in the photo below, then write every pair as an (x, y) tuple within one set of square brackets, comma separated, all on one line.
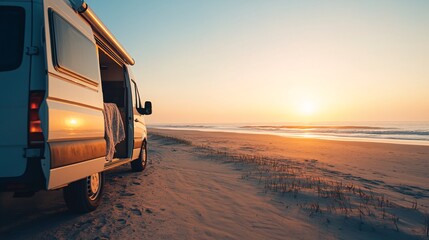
[(20, 218)]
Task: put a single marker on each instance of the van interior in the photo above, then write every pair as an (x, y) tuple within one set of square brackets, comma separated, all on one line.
[(114, 91)]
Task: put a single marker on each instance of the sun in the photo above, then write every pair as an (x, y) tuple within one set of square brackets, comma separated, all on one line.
[(307, 108)]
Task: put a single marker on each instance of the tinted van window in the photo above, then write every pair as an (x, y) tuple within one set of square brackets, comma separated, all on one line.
[(74, 52), (12, 25)]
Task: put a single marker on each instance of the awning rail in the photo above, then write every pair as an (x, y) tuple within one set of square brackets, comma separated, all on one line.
[(97, 25)]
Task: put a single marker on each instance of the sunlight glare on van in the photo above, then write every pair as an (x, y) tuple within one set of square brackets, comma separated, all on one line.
[(73, 122)]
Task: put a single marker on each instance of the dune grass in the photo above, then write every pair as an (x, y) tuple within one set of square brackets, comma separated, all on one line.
[(171, 139)]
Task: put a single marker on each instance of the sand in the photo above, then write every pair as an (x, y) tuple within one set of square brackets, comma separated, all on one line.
[(390, 165), (199, 188)]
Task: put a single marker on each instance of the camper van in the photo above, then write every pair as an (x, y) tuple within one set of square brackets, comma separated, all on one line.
[(70, 105)]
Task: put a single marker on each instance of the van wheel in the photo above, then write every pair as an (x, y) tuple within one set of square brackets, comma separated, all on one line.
[(84, 195), (140, 163)]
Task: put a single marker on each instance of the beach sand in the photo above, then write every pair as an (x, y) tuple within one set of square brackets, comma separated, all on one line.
[(391, 166), (394, 176), (208, 185)]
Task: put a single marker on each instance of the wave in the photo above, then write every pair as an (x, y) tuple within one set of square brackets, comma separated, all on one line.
[(184, 126), (415, 132), (367, 130), (315, 127)]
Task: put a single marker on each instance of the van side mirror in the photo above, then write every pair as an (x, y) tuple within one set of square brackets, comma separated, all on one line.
[(147, 110)]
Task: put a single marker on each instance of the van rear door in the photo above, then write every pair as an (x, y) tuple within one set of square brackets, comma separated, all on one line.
[(15, 37)]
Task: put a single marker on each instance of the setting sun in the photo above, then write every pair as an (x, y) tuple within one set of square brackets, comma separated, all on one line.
[(307, 108)]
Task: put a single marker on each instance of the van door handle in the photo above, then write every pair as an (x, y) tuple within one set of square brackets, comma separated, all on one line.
[(136, 120)]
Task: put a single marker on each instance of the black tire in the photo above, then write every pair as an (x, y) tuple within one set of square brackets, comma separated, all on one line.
[(140, 163), (84, 196)]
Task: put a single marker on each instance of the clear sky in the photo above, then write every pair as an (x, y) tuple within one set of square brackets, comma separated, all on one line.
[(226, 61)]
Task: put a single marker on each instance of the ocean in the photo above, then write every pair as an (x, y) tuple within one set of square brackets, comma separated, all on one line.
[(415, 133)]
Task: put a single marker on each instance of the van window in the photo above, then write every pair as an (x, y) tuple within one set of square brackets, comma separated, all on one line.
[(12, 25), (74, 52)]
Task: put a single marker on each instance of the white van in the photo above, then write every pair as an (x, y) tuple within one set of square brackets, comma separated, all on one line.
[(59, 67)]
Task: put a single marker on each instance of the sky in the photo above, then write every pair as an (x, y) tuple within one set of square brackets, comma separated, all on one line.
[(254, 61)]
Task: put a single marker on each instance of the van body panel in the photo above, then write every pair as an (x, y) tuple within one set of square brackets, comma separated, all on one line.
[(74, 103), (136, 153), (15, 21), (61, 176), (139, 130), (15, 154), (73, 121), (38, 64), (70, 152)]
